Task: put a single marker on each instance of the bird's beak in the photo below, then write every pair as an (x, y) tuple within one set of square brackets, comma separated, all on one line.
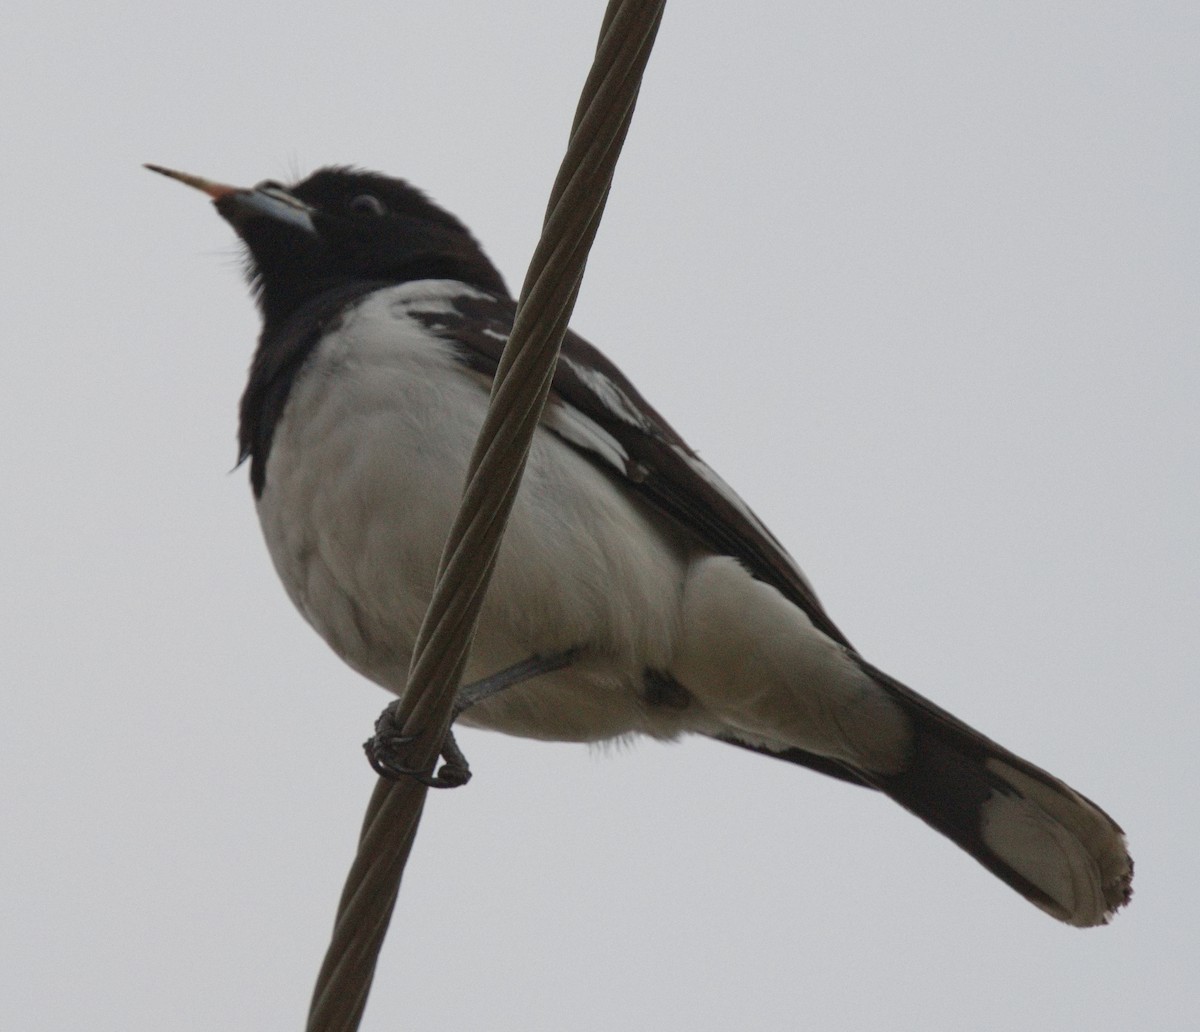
[(238, 205), (214, 190)]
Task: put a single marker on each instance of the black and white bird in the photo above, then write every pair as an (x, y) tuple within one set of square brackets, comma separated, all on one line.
[(678, 611)]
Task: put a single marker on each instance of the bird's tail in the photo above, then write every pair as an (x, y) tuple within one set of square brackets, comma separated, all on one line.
[(1055, 847)]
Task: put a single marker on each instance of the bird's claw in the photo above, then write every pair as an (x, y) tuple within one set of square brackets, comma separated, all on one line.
[(385, 751)]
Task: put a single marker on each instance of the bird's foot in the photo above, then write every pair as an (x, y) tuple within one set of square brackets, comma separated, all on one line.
[(386, 748)]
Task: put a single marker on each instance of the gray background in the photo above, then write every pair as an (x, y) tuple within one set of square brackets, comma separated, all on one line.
[(918, 278)]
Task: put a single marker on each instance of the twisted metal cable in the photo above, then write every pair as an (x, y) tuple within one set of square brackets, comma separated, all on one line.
[(518, 396)]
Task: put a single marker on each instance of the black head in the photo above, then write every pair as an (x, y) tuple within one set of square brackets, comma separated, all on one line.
[(342, 226), (318, 246)]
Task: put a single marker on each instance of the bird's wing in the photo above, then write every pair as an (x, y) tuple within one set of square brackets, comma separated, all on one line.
[(597, 411)]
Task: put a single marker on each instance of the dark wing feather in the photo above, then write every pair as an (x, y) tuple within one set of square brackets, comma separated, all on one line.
[(622, 433)]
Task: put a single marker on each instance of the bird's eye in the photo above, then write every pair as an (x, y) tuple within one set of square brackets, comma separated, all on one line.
[(367, 204)]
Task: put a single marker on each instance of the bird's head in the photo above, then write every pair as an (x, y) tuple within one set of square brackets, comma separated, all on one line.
[(342, 226)]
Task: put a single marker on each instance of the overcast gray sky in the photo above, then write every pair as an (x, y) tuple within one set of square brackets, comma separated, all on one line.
[(919, 279)]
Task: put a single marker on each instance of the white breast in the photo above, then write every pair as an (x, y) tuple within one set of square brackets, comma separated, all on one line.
[(364, 476)]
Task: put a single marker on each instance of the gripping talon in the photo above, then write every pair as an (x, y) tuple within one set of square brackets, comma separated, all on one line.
[(450, 776), (384, 754)]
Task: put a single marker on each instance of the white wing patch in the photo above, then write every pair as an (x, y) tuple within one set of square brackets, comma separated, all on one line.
[(573, 426), (431, 297), (610, 395)]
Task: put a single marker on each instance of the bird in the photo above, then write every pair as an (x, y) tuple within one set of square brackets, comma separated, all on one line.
[(635, 593)]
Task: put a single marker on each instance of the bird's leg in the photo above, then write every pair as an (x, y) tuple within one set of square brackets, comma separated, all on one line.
[(472, 694), (384, 748)]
